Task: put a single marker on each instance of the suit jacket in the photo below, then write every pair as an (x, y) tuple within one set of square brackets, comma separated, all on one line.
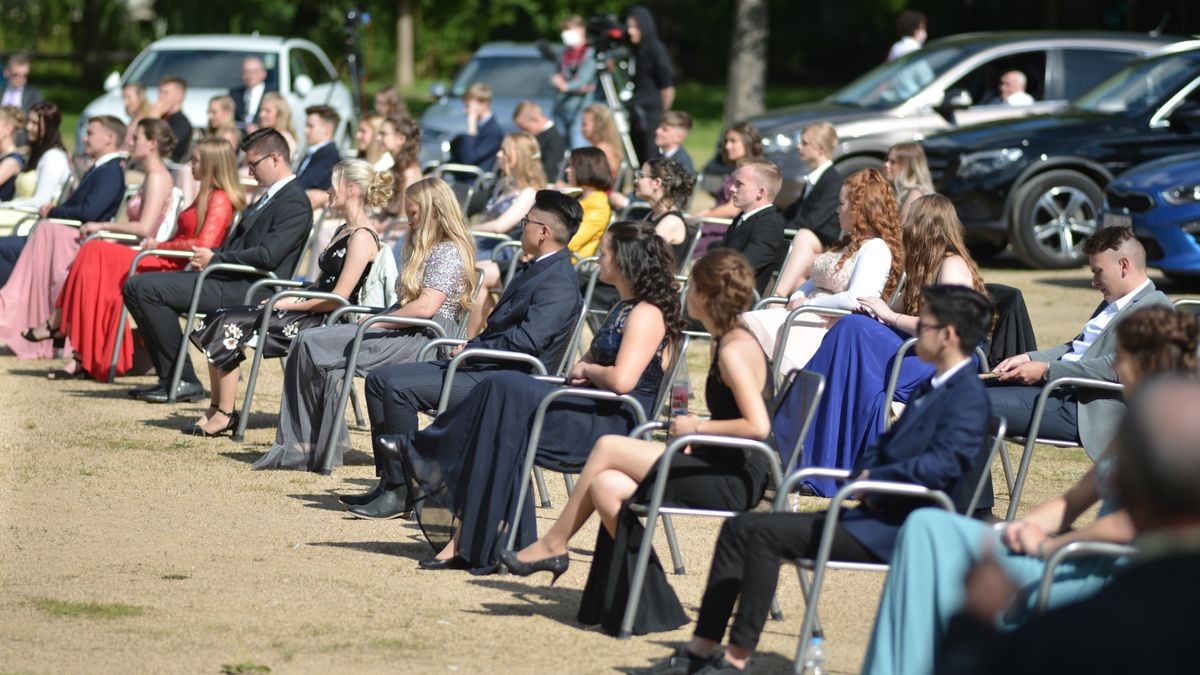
[(318, 173), (759, 238), (817, 211), (1099, 412), (553, 148), (537, 312), (98, 195), (685, 160), (238, 94), (272, 235), (1145, 621), (478, 150), (937, 442)]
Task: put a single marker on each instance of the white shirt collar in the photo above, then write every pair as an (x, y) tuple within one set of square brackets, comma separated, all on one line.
[(1123, 301), (670, 153), (549, 125), (940, 380), (543, 257), (274, 189), (746, 214), (816, 173), (312, 149), (105, 159)]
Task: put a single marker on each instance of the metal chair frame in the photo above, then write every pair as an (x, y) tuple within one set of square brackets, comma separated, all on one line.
[(1076, 549)]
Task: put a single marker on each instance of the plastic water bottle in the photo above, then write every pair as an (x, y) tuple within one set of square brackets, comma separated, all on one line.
[(681, 391), (814, 656)]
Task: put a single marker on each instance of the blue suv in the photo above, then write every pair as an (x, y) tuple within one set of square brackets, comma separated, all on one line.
[(1161, 201)]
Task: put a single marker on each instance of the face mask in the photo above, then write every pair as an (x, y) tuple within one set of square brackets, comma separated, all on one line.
[(571, 38)]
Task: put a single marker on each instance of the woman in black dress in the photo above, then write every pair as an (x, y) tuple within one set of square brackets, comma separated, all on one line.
[(344, 266), (621, 468), (470, 459)]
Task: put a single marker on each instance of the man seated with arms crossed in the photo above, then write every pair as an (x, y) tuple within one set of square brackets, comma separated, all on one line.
[(536, 315), (757, 232), (937, 442), (1090, 417)]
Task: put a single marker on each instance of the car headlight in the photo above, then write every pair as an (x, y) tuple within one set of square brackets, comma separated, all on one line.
[(988, 161), (1183, 194), (780, 142)]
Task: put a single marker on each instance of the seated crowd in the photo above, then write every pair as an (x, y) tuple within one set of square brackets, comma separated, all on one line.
[(877, 258)]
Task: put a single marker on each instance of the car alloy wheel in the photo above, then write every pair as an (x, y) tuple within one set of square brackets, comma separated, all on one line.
[(1054, 213)]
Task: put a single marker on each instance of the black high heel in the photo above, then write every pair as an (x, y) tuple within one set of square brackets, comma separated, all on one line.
[(234, 418), (51, 334), (191, 429), (555, 565)]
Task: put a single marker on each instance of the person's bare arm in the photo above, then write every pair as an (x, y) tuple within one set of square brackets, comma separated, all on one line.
[(360, 251)]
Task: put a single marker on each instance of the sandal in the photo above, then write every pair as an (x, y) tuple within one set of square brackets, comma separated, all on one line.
[(232, 424), (194, 428), (64, 374), (52, 333)]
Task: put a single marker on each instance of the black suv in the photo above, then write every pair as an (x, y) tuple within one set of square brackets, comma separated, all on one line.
[(1038, 183)]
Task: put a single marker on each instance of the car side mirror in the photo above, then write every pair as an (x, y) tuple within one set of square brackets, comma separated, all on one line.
[(113, 81), (302, 85), (438, 90), (953, 101)]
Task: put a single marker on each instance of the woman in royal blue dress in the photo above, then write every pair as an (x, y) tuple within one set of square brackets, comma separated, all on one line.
[(856, 355), (470, 459)]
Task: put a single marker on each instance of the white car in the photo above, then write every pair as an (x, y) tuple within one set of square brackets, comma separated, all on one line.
[(212, 65)]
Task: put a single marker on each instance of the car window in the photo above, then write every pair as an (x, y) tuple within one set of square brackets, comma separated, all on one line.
[(200, 68), (305, 62), (508, 76), (1142, 85), (983, 82), (895, 82), (1085, 68)]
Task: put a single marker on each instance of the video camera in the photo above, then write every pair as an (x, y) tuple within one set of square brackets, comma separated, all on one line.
[(604, 32)]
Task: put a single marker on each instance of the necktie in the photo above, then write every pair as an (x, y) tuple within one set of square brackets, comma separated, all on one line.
[(304, 163)]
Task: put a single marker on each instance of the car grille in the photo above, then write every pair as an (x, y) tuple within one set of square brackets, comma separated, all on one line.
[(1128, 202)]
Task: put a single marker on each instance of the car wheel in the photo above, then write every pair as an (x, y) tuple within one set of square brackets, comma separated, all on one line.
[(1054, 212), (857, 163)]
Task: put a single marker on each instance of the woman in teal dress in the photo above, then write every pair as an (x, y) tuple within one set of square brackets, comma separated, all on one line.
[(935, 548)]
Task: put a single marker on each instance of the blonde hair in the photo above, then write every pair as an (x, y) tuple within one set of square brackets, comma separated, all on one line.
[(376, 187), (374, 149), (143, 108), (283, 112), (932, 233), (824, 136), (439, 219), (13, 115), (218, 171), (522, 151), (604, 129), (912, 168)]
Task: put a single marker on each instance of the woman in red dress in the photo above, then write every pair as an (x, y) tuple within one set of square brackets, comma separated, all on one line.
[(91, 299)]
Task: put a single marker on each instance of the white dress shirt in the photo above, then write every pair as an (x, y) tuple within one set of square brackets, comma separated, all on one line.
[(1096, 325), (253, 98), (815, 175)]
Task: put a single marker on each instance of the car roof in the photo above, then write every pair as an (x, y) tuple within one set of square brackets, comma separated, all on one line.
[(509, 49), (251, 42), (1114, 38)]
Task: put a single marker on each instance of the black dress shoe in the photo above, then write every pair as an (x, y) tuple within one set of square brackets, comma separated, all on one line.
[(363, 498), (388, 505), (185, 392), (389, 445), (454, 563), (138, 391)]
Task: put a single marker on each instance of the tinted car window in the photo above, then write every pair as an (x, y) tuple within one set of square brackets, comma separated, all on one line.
[(1142, 85), (983, 82), (208, 69), (517, 77), (1084, 68), (312, 65), (894, 83)]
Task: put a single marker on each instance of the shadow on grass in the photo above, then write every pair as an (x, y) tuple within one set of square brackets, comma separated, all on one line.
[(247, 457), (413, 550), (1082, 282), (763, 662), (534, 598)]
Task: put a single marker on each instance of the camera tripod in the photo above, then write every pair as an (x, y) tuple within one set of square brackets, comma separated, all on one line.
[(620, 114)]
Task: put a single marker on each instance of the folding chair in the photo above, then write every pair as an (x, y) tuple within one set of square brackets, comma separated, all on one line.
[(1076, 549), (465, 181), (25, 225), (694, 231), (636, 209), (811, 587)]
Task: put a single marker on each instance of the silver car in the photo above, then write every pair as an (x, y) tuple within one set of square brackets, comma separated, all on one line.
[(212, 65), (950, 83)]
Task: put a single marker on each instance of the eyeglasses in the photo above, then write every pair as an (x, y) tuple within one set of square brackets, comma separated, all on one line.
[(922, 326), (643, 174), (254, 165), (526, 221)]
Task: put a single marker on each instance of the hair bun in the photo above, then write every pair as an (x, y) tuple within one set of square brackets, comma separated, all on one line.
[(380, 189)]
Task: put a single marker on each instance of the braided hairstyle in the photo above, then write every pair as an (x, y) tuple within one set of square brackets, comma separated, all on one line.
[(1160, 340), (726, 280), (677, 183), (645, 260)]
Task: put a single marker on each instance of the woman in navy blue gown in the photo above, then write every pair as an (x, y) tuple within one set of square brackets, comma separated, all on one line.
[(470, 459), (856, 355)]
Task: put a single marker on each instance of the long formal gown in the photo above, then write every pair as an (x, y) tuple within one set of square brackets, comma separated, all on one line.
[(316, 366), (223, 336), (91, 297), (708, 478), (924, 588), (469, 461), (864, 274), (38, 279)]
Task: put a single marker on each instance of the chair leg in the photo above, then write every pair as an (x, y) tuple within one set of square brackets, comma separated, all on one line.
[(1006, 462), (806, 589), (122, 321), (776, 610), (239, 434), (569, 480), (543, 492), (673, 544), (359, 422)]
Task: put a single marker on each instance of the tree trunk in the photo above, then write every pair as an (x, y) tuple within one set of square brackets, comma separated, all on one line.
[(404, 44), (746, 92)]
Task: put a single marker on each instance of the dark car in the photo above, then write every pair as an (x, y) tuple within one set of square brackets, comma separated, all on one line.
[(951, 82), (1037, 183), (1160, 200)]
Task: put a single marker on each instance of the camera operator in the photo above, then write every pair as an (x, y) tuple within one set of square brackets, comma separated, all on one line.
[(575, 81), (653, 81)]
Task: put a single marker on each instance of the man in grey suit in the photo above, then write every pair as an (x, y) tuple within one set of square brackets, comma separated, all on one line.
[(17, 90), (1118, 264)]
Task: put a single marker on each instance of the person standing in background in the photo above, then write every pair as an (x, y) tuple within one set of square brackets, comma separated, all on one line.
[(575, 81), (171, 90), (911, 28), (248, 98), (653, 81)]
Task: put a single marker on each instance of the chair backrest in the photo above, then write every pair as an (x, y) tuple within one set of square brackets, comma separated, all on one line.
[(966, 497), (678, 361), (692, 240), (792, 414), (636, 209), (170, 221)]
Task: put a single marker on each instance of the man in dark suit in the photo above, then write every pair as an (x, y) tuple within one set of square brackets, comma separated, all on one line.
[(529, 117), (937, 443), (757, 232), (1145, 621), (98, 195), (247, 99), (172, 89), (1118, 264), (815, 214), (269, 236), (315, 171), (672, 131), (17, 90), (535, 316), (479, 145)]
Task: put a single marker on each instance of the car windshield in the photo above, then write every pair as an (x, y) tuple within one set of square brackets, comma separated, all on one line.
[(1142, 86), (508, 76), (208, 69), (897, 81)]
